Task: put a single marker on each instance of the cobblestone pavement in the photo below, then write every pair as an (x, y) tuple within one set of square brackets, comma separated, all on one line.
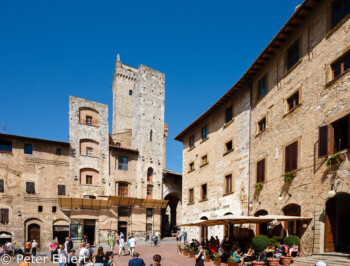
[(168, 252)]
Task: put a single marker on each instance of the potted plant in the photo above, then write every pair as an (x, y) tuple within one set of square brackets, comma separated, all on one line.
[(185, 250), (289, 241), (260, 243), (335, 160), (192, 252), (258, 187), (273, 261), (288, 177), (179, 248), (217, 258), (231, 261), (207, 256)]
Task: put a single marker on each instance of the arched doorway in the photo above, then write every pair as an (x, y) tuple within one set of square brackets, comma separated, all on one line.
[(261, 229), (337, 220), (204, 229), (228, 229), (4, 237), (292, 227), (170, 215), (34, 233)]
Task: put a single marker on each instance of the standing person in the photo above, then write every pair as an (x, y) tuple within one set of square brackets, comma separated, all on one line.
[(111, 241), (136, 261), (66, 243), (9, 249), (156, 260), (72, 259), (156, 240), (84, 253), (109, 259), (85, 239), (122, 236), (152, 240), (53, 249), (34, 247), (128, 244), (185, 237), (100, 257), (121, 245), (28, 247), (199, 256), (91, 251), (132, 244), (69, 245), (117, 238), (62, 256)]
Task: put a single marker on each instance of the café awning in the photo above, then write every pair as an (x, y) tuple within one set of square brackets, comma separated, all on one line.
[(81, 203), (96, 204), (234, 219), (136, 202)]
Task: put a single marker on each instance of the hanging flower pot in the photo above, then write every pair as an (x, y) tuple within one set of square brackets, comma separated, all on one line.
[(335, 160)]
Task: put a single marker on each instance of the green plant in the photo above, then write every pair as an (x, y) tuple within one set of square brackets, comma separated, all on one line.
[(291, 240), (277, 238), (258, 186), (273, 242), (185, 247), (232, 259), (335, 160), (206, 252), (192, 249), (288, 177), (260, 242), (178, 246), (216, 255)]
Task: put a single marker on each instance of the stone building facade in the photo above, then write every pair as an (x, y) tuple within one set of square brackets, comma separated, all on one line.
[(97, 183), (299, 129)]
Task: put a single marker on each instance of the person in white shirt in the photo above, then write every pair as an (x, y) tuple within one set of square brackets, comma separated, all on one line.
[(9, 249), (34, 247), (62, 256), (132, 245), (121, 245), (83, 254)]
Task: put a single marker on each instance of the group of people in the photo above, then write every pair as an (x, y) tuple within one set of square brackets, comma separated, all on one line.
[(8, 249), (181, 235), (232, 248), (154, 238)]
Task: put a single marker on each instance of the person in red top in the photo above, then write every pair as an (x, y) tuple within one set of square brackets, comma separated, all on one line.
[(213, 249), (53, 249)]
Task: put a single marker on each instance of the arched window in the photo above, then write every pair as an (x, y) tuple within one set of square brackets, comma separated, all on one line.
[(292, 227), (150, 135), (5, 146), (89, 176), (150, 174), (28, 149)]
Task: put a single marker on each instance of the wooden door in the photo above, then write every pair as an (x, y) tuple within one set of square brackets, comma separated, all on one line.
[(204, 233), (328, 235), (34, 233)]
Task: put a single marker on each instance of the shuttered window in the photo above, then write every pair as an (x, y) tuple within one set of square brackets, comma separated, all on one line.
[(291, 157), (4, 216), (260, 171), (2, 185), (123, 189), (30, 187), (323, 140), (61, 190)]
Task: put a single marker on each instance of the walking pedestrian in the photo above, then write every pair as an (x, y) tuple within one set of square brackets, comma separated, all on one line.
[(132, 244), (34, 247), (83, 254), (9, 248), (62, 256), (136, 261), (53, 249), (69, 245), (28, 247), (121, 245), (91, 251), (72, 259), (111, 241)]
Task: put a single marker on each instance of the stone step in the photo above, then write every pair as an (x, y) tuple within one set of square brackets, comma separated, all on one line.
[(329, 260)]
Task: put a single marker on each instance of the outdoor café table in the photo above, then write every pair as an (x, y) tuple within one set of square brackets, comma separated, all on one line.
[(248, 258), (269, 253)]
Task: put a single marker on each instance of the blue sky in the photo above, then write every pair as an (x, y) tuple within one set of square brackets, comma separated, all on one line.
[(52, 49)]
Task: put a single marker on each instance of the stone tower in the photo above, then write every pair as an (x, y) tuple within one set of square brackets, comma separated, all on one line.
[(138, 105)]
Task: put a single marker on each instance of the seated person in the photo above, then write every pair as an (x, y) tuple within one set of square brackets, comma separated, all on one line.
[(262, 255), (238, 257), (293, 249), (282, 251), (213, 249)]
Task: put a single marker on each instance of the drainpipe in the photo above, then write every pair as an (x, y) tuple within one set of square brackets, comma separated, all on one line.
[(250, 143)]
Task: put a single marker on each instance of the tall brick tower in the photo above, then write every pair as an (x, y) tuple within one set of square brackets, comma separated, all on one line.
[(138, 106)]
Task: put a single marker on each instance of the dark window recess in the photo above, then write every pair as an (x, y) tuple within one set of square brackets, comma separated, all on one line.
[(130, 92), (117, 144), (2, 189), (340, 129), (61, 190), (149, 212), (204, 192), (262, 87), (260, 171), (89, 120), (123, 163), (149, 191), (123, 211), (228, 183), (229, 145), (28, 149), (323, 141), (293, 55), (58, 152), (262, 124), (229, 114), (88, 180), (191, 141), (340, 66), (54, 209), (204, 132), (291, 157), (151, 135), (89, 197), (191, 196), (4, 216), (340, 9), (191, 166), (5, 146), (40, 208), (293, 101), (204, 159), (30, 187)]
